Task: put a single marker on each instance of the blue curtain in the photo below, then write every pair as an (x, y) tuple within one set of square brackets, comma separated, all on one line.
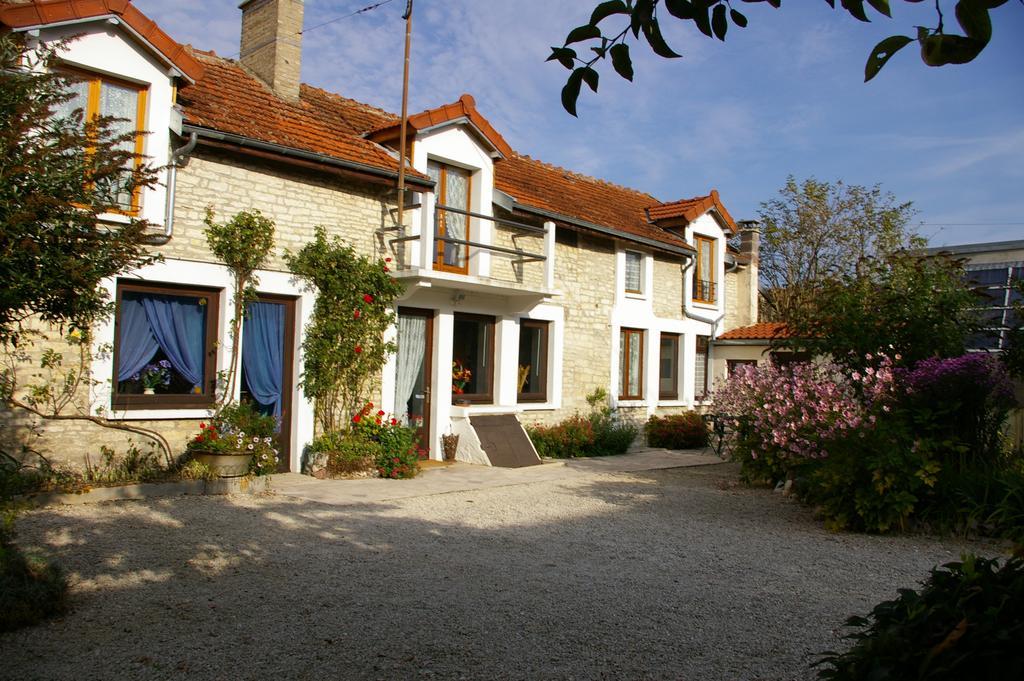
[(136, 345), (263, 354), (179, 325)]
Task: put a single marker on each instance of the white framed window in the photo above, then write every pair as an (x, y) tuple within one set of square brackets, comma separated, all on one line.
[(634, 272)]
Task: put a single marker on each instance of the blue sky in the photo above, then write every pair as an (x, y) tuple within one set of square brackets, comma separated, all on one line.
[(783, 96)]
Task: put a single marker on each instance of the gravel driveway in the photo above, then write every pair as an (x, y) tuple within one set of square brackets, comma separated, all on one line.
[(665, 574)]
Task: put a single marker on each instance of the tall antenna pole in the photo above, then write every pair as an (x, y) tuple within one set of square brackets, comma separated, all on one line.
[(405, 117)]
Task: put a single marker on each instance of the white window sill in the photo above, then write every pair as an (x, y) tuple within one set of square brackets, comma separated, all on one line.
[(157, 414), (118, 218), (673, 403), (631, 404), (536, 406), (704, 306), (635, 296)]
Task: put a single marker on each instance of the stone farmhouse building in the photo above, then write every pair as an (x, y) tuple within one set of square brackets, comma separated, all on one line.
[(545, 283)]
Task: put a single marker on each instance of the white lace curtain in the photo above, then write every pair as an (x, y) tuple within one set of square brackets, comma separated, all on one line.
[(412, 331)]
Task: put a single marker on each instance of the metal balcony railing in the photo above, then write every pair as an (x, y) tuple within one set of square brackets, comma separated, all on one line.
[(705, 291), (518, 256)]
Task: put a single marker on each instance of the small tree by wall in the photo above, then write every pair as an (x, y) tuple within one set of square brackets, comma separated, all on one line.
[(344, 347), (243, 243)]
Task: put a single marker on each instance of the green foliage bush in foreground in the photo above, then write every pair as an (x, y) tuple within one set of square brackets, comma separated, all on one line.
[(31, 589), (677, 431), (597, 434), (966, 622)]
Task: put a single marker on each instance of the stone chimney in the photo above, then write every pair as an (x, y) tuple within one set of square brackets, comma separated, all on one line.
[(272, 43), (749, 295), (750, 239)]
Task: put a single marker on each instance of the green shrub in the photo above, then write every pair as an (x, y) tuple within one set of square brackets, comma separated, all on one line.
[(397, 454), (677, 431), (134, 466), (31, 589), (569, 439), (578, 436), (967, 622), (872, 480), (984, 500), (343, 454)]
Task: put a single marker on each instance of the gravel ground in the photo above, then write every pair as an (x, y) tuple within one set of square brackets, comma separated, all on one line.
[(674, 574)]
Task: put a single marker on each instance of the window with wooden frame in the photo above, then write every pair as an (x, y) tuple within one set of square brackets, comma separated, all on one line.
[(164, 346), (631, 364), (634, 272), (533, 361), (454, 189), (701, 374), (668, 367), (704, 289), (102, 96), (731, 365), (473, 358)]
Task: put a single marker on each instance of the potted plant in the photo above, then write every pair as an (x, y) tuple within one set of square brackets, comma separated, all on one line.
[(239, 441), (461, 377), (154, 376)]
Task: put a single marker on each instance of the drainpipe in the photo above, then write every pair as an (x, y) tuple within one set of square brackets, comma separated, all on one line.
[(177, 155), (697, 317)]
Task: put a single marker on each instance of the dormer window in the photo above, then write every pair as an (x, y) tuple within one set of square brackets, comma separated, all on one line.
[(101, 96), (704, 289), (451, 225), (634, 270)]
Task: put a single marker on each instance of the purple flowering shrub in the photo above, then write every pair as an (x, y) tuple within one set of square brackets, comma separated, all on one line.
[(962, 402)]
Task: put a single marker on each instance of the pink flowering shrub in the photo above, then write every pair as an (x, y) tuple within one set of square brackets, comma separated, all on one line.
[(790, 414), (873, 447)]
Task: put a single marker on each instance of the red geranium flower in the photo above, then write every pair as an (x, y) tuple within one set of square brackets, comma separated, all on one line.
[(356, 314), (367, 297), (202, 426), (355, 419), (380, 413), (358, 349)]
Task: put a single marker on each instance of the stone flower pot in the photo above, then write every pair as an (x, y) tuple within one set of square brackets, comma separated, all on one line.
[(231, 465)]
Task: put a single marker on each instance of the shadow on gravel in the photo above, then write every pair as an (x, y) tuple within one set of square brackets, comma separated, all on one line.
[(664, 574)]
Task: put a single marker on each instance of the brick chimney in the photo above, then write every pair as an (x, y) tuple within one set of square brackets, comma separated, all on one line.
[(272, 43)]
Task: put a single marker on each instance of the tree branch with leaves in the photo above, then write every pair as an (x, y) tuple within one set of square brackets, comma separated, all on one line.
[(713, 18)]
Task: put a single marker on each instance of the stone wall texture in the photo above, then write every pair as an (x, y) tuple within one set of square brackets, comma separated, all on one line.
[(667, 295), (297, 201)]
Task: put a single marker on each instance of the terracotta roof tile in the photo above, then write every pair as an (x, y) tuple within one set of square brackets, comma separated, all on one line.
[(550, 188), (41, 12), (229, 99), (465, 107), (690, 209), (760, 331)]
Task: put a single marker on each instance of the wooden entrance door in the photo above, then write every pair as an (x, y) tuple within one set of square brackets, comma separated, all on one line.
[(414, 370), (268, 353)]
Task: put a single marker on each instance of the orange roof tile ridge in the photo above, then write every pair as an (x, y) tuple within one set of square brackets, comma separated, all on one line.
[(582, 176), (362, 105)]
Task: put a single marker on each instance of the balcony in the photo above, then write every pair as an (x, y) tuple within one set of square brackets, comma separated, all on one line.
[(475, 252), (705, 291)]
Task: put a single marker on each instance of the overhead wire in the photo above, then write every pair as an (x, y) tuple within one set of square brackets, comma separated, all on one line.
[(368, 8)]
